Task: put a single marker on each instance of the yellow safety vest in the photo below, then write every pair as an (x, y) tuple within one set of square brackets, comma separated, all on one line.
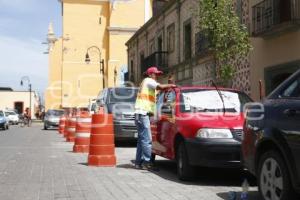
[(145, 99)]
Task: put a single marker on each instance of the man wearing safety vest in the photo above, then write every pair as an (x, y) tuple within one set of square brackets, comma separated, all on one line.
[(144, 108)]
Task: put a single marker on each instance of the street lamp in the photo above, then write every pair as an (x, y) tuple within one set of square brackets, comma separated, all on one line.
[(101, 62), (26, 78)]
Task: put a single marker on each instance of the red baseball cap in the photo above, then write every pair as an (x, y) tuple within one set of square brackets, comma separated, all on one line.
[(153, 70)]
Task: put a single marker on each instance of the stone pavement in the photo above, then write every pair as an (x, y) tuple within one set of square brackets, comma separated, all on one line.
[(38, 164)]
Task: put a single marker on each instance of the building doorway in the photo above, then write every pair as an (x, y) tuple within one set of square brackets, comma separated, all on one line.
[(187, 40), (19, 106), (285, 11), (275, 75), (159, 44)]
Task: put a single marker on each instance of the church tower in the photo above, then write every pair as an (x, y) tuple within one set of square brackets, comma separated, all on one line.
[(91, 53)]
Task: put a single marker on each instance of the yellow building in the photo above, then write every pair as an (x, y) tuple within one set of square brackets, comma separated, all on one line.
[(94, 31)]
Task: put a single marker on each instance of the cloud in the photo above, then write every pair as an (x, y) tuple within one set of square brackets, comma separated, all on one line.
[(19, 58), (23, 26)]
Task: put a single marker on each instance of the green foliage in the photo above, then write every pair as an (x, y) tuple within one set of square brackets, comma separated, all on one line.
[(226, 73), (229, 38)]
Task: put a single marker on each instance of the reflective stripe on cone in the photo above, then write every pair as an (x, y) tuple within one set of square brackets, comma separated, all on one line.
[(83, 133), (84, 120)]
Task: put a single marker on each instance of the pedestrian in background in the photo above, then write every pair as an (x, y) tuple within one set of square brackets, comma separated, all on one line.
[(144, 109)]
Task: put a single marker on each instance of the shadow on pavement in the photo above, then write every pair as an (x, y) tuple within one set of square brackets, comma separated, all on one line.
[(206, 176), (126, 166), (203, 176), (49, 129), (252, 195), (125, 144), (85, 164), (210, 177)]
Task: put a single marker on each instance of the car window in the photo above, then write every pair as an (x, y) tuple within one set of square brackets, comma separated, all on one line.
[(100, 98), (159, 103), (1, 114), (104, 95), (119, 95), (93, 107), (170, 97), (210, 101), (55, 112), (293, 90), (160, 99)]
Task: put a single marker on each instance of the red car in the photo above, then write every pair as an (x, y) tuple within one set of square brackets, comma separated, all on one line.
[(199, 126)]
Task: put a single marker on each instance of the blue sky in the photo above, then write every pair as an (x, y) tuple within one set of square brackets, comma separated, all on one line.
[(23, 27)]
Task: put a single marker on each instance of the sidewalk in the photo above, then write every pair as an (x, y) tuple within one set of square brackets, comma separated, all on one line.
[(37, 164)]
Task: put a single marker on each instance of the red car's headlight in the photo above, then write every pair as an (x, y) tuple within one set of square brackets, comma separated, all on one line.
[(214, 133)]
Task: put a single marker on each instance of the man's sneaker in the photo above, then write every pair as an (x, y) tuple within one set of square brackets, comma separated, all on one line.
[(138, 167), (149, 167)]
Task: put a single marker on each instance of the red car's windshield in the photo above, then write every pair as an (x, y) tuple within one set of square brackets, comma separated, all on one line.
[(210, 101)]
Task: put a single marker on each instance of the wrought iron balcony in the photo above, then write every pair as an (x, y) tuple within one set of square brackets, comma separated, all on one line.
[(275, 16), (158, 59)]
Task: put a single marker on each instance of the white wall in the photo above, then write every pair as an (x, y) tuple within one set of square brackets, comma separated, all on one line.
[(7, 99)]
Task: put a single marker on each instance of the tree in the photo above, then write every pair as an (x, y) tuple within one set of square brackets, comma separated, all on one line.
[(228, 37)]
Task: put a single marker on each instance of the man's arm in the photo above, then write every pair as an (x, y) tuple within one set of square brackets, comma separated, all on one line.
[(165, 86)]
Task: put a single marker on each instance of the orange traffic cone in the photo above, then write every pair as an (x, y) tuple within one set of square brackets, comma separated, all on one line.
[(66, 127), (83, 133), (102, 147), (62, 124), (71, 129)]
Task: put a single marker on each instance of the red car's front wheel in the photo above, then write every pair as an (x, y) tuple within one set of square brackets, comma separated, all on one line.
[(184, 170)]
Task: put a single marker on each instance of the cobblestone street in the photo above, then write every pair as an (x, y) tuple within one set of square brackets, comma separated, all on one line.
[(38, 164)]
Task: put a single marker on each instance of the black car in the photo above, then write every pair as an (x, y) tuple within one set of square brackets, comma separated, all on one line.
[(4, 124), (271, 143), (120, 102)]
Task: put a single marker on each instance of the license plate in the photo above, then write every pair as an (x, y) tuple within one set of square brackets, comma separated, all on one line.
[(135, 135)]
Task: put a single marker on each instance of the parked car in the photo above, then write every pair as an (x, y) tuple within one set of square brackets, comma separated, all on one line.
[(13, 117), (199, 126), (4, 124), (271, 144), (120, 102), (52, 117), (92, 107)]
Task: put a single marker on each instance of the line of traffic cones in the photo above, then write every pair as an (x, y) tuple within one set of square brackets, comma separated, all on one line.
[(91, 134)]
